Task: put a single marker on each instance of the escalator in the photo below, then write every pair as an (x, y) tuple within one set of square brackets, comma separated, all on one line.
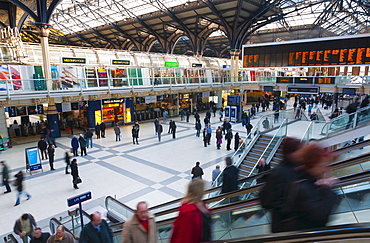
[(247, 219)]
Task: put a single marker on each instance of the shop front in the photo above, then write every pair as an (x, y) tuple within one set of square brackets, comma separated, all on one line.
[(113, 111), (148, 107)]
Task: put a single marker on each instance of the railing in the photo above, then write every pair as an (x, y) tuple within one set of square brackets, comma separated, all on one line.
[(320, 116), (117, 211)]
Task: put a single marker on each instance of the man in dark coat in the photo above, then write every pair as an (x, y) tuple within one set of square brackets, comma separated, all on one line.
[(135, 134), (75, 145), (82, 143), (159, 131), (173, 129), (5, 177), (51, 152), (102, 129), (43, 145), (197, 171), (97, 231), (39, 236), (97, 130), (74, 173), (230, 177), (229, 137), (156, 121), (237, 141)]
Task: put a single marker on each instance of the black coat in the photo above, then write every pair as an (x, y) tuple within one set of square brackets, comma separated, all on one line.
[(43, 239), (159, 129), (91, 235), (74, 169), (309, 207), (230, 179), (19, 179), (102, 126), (42, 144)]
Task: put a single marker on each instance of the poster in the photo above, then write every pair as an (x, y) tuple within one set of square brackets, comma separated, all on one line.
[(16, 77), (4, 78), (71, 77)]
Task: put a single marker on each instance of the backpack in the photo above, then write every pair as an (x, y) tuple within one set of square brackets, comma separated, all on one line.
[(351, 108)]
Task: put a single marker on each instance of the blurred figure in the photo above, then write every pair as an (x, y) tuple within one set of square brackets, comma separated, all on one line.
[(67, 157), (298, 193), (236, 141), (97, 231), (43, 145), (83, 144), (39, 236), (97, 130), (102, 129), (19, 184), (61, 236), (218, 137), (89, 136), (135, 134), (24, 226), (117, 131), (74, 173), (262, 167), (51, 152), (230, 177), (140, 227), (5, 174), (266, 123), (193, 224)]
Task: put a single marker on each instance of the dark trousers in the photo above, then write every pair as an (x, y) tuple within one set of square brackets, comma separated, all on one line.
[(83, 150), (118, 137), (174, 133), (6, 184), (74, 181), (209, 138), (67, 168), (205, 141), (103, 133), (51, 162), (159, 137), (75, 152), (44, 152), (228, 144), (133, 140)]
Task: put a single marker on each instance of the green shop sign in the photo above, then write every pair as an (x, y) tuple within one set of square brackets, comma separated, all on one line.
[(120, 62), (171, 64), (79, 60)]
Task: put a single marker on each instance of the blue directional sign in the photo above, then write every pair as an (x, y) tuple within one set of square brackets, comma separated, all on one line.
[(79, 199)]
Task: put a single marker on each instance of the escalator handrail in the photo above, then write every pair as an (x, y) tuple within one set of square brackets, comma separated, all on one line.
[(335, 231), (344, 181), (115, 200), (353, 146), (351, 161), (66, 229)]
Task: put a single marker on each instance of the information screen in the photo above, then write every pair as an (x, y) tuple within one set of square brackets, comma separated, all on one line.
[(314, 52)]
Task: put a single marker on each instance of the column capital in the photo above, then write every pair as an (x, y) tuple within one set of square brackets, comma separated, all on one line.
[(44, 29), (234, 52)]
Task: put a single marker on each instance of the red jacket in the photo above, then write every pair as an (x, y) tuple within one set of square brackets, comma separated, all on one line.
[(187, 227)]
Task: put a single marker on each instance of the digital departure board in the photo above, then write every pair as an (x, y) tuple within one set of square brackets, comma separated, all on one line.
[(344, 50)]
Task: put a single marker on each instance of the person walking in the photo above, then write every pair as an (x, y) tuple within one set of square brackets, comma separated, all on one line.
[(249, 128), (43, 145), (74, 145), (5, 174), (135, 134), (198, 127), (237, 141), (205, 137), (228, 138), (159, 131), (97, 130), (51, 152), (82, 143), (193, 224), (117, 131), (187, 115), (266, 124), (24, 226), (88, 136), (165, 117), (197, 171), (209, 133), (219, 137), (156, 121), (19, 183), (173, 129), (74, 173), (96, 231), (102, 129), (170, 126), (221, 114), (140, 227), (67, 157)]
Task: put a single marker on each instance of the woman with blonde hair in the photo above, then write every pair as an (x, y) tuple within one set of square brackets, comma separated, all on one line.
[(193, 224)]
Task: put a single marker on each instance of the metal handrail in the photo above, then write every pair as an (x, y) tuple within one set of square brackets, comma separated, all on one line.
[(284, 123), (306, 132)]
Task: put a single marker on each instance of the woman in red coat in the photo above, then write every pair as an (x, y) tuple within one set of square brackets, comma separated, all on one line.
[(193, 224)]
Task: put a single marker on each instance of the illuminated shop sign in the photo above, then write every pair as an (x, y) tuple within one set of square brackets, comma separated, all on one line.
[(171, 64), (78, 60), (113, 101), (196, 65), (120, 62)]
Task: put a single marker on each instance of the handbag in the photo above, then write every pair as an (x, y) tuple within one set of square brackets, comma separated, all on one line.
[(15, 183), (78, 180)]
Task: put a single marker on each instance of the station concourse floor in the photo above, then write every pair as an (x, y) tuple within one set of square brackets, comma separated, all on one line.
[(152, 171)]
